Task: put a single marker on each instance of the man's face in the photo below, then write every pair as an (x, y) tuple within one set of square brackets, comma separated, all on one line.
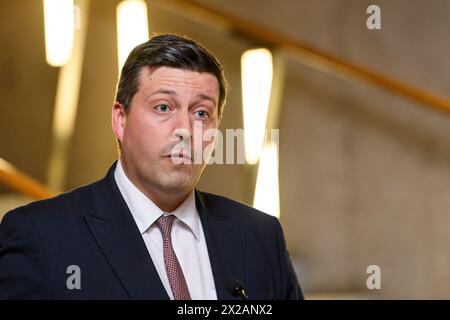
[(169, 106)]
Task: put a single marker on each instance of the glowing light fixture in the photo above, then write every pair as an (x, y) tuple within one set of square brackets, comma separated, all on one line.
[(59, 31), (132, 27), (257, 73), (267, 197)]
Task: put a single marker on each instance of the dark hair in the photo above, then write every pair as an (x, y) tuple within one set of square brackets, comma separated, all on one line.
[(170, 51)]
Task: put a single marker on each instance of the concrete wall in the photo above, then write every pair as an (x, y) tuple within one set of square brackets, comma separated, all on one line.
[(27, 86), (365, 175)]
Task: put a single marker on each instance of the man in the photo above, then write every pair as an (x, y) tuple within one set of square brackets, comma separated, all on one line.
[(144, 231)]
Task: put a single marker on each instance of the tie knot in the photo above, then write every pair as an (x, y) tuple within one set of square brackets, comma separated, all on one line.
[(164, 224)]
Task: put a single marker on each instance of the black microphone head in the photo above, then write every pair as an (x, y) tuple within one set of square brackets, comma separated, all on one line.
[(234, 286)]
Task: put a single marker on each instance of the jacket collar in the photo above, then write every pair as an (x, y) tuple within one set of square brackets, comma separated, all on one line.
[(119, 239), (224, 241)]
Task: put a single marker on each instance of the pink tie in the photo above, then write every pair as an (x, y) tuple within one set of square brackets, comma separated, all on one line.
[(177, 281)]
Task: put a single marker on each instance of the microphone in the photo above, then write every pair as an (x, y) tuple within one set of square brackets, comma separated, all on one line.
[(236, 288)]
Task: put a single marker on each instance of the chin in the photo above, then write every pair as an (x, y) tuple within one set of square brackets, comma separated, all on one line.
[(177, 182)]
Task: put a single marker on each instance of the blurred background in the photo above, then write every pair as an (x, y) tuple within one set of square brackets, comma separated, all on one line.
[(362, 107)]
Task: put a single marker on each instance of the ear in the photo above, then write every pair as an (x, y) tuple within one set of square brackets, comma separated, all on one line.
[(119, 119)]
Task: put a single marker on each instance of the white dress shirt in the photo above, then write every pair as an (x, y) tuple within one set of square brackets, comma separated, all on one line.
[(188, 239)]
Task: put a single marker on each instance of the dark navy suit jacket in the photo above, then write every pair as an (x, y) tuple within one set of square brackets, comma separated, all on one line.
[(91, 227)]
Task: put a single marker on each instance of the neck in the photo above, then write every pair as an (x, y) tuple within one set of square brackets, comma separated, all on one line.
[(167, 202)]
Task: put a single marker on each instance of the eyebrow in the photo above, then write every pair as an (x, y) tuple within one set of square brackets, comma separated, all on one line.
[(202, 96), (163, 91)]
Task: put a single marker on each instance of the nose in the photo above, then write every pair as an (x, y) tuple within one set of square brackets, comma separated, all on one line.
[(182, 126)]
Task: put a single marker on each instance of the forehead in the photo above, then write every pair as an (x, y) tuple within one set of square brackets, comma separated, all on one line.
[(179, 80)]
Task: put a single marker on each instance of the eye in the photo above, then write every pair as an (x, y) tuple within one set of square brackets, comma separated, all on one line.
[(162, 108), (202, 114)]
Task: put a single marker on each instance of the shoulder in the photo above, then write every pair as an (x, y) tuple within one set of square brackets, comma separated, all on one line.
[(63, 206), (245, 214)]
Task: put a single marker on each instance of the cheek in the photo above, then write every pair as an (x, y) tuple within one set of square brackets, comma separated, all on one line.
[(133, 134), (146, 139), (210, 137), (208, 143)]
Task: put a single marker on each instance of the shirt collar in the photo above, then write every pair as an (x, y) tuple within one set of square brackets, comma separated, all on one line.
[(145, 212), (187, 213)]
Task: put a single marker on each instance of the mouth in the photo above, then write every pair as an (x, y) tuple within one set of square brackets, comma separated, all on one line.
[(180, 158)]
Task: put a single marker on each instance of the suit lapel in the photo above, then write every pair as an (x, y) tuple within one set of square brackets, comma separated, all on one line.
[(118, 236), (224, 243)]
